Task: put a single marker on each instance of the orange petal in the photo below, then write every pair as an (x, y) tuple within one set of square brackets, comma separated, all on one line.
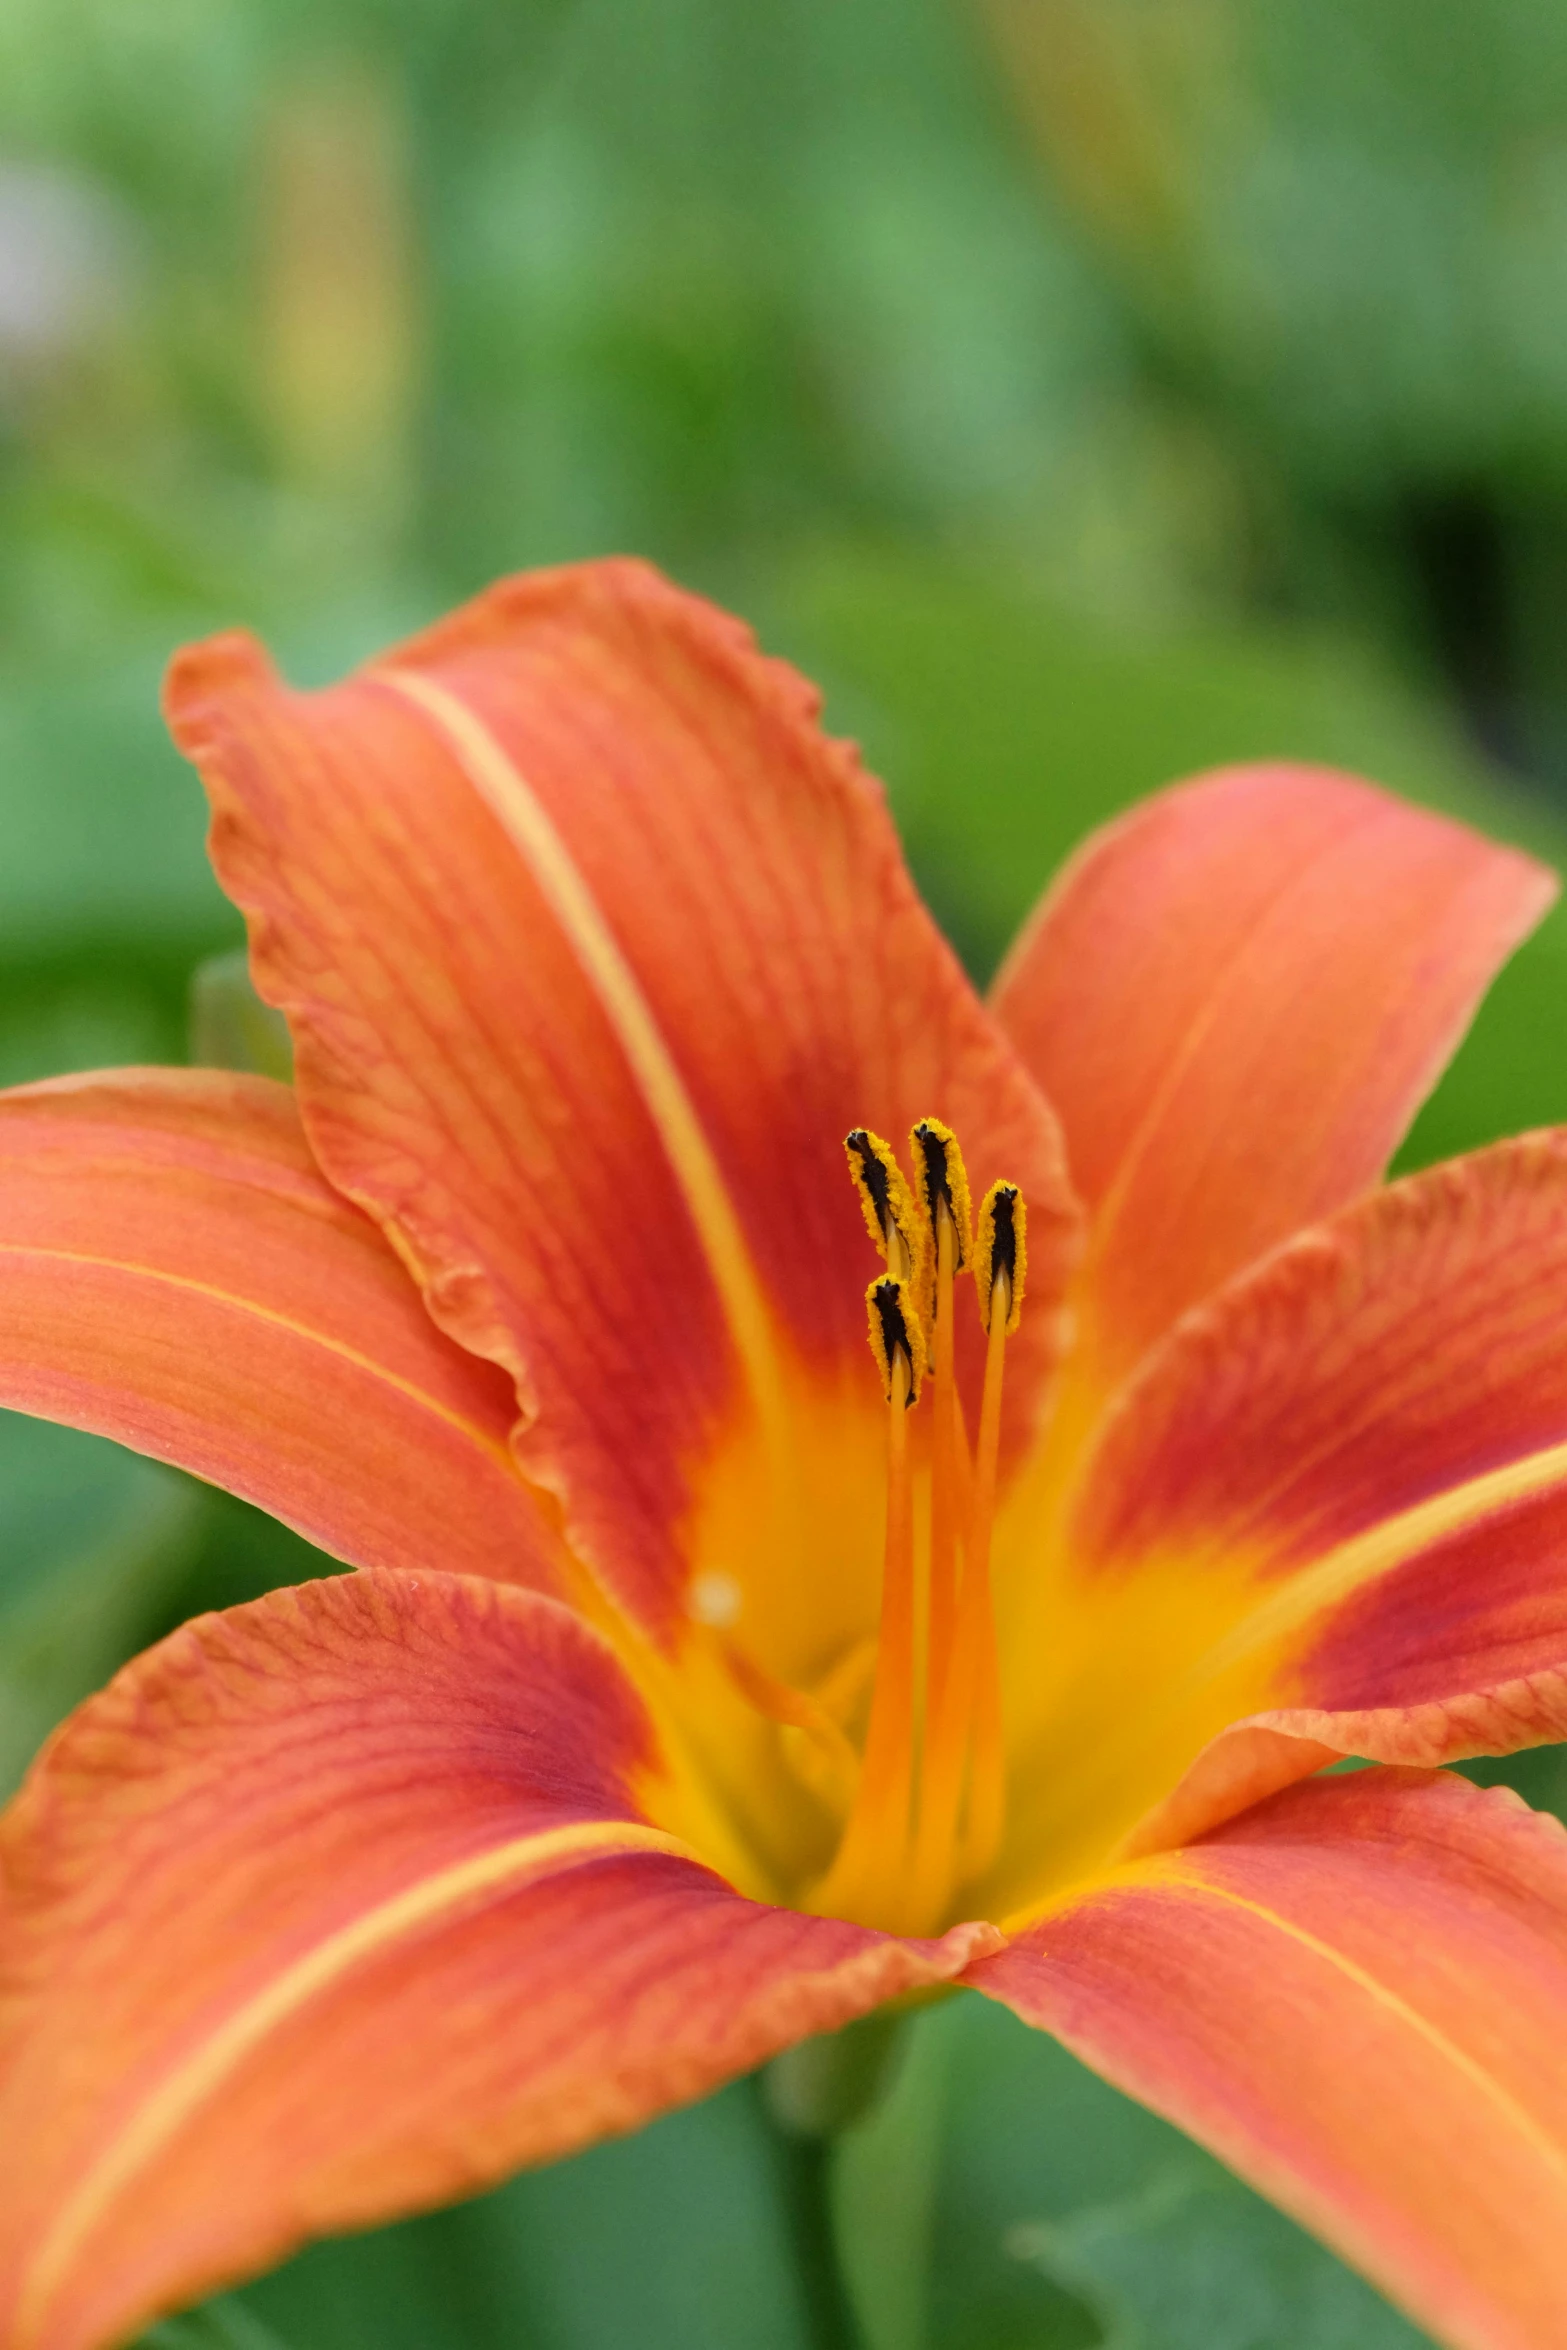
[(175, 1273), (1352, 1465), (594, 948), (1236, 997), (1357, 1997), (338, 1905)]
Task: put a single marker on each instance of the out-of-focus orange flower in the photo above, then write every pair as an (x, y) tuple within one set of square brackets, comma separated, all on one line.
[(704, 1685)]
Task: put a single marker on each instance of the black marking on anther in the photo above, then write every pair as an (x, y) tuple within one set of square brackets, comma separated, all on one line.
[(872, 1174), (937, 1181), (1003, 1242), (895, 1330)]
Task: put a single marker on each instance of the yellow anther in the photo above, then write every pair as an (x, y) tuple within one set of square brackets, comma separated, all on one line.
[(897, 1336), (1001, 1253), (892, 1216), (943, 1178)]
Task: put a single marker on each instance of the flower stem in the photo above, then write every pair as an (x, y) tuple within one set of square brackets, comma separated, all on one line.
[(826, 2084), (809, 2094), (805, 2174)]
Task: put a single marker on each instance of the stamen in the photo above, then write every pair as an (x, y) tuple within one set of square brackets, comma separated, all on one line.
[(897, 1339), (842, 1691), (1000, 1250), (836, 1763), (929, 1806), (943, 1181), (965, 1729), (891, 1216), (1000, 1269), (865, 1875)]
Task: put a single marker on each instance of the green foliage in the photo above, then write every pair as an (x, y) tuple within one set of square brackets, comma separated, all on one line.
[(677, 2239), (230, 1026), (221, 2325), (1006, 2199), (91, 1541), (1008, 726), (102, 1553)]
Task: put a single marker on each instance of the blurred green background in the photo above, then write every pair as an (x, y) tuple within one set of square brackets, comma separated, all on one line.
[(1085, 391)]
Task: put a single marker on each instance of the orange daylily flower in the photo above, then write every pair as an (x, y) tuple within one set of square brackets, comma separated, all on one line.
[(702, 1685)]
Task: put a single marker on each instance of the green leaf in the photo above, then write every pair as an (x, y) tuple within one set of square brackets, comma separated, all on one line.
[(221, 2325), (103, 822), (102, 1552), (92, 1541), (1007, 727), (1005, 2198), (230, 1026), (676, 2239)]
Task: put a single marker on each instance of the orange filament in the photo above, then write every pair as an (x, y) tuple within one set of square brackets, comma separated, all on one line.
[(944, 1191), (1000, 1268), (863, 1880), (842, 1690), (834, 1765), (943, 1470), (977, 1627), (964, 1733)]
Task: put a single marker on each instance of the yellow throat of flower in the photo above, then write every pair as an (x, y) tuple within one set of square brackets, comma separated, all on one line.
[(922, 1801)]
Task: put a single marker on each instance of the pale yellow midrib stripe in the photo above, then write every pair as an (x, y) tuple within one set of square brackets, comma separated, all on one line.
[(527, 823), (512, 1865), (1176, 1873), (1192, 1880), (279, 1321), (1194, 1039), (1348, 1568)]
